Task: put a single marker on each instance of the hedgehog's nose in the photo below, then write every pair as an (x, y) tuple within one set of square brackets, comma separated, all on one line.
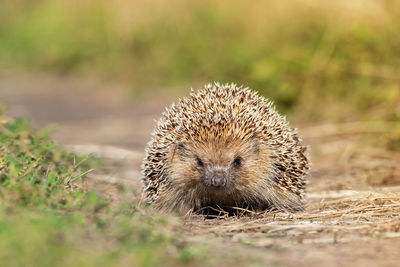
[(218, 179)]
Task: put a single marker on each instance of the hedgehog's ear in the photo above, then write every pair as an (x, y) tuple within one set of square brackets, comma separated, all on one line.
[(255, 148), (181, 149), (180, 146)]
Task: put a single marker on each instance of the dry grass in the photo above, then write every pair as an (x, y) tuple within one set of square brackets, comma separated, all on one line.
[(344, 219)]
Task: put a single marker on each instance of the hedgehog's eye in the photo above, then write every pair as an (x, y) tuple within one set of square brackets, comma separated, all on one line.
[(199, 162), (237, 162)]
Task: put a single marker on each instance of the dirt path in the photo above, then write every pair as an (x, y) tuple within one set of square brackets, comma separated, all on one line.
[(353, 216)]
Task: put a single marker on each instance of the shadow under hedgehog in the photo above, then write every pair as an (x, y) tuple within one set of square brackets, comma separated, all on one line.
[(224, 146)]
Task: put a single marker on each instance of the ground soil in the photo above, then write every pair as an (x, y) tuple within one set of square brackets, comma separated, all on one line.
[(353, 212)]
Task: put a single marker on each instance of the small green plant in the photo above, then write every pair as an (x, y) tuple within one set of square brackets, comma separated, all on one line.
[(35, 171)]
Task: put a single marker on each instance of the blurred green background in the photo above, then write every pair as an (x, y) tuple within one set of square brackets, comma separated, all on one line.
[(318, 60)]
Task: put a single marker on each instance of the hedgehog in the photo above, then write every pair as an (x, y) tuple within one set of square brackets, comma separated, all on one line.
[(224, 146)]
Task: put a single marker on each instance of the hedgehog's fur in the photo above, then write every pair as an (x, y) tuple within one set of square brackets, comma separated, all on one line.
[(232, 129)]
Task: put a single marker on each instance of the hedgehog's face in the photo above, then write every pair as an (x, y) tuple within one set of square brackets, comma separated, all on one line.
[(219, 167)]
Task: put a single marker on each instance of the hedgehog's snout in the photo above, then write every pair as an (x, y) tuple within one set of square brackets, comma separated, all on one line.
[(218, 179)]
